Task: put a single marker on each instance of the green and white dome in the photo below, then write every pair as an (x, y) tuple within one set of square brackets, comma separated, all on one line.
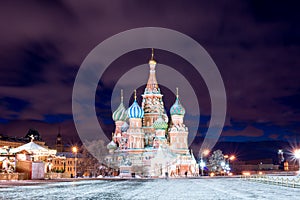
[(120, 114), (112, 145), (160, 124)]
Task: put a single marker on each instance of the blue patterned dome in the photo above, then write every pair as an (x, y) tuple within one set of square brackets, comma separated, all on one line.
[(177, 108), (120, 114), (160, 124), (135, 111)]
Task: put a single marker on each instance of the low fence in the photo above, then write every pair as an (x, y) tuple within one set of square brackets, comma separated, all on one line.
[(293, 182), (13, 176), (53, 175)]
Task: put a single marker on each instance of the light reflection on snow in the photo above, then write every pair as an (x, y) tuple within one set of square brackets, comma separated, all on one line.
[(207, 188)]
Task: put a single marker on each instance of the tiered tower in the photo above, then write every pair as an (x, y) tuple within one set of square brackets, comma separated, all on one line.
[(135, 132), (152, 103), (119, 116), (160, 127), (178, 132)]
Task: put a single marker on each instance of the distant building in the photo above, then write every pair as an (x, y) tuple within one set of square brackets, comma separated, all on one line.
[(13, 142), (64, 162), (254, 165)]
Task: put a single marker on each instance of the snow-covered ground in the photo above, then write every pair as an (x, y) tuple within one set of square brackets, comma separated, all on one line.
[(202, 188)]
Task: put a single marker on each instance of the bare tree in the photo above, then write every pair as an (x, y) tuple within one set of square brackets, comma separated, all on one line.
[(98, 149), (93, 155)]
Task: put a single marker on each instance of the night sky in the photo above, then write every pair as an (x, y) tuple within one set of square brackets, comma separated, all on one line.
[(255, 45)]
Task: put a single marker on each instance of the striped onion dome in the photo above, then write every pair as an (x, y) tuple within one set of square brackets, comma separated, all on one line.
[(120, 114), (112, 145), (135, 111), (160, 124)]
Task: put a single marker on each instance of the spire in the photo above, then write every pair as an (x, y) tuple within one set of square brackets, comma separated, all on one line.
[(122, 96), (152, 61), (152, 86), (134, 95), (177, 95), (58, 134), (152, 54)]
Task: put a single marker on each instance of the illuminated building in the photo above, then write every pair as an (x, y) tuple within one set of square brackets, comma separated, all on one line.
[(145, 142)]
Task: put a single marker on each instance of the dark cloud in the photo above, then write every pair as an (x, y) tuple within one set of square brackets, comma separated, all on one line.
[(255, 45), (249, 131)]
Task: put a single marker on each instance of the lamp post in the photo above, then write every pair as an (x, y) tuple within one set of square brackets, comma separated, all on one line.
[(74, 150), (227, 161), (202, 163), (223, 164), (297, 156)]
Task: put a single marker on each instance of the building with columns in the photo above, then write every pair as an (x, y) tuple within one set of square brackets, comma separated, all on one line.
[(145, 142)]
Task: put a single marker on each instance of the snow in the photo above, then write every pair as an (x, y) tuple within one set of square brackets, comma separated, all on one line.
[(159, 189)]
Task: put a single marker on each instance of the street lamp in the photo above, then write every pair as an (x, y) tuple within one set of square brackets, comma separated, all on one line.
[(232, 157), (227, 161), (297, 156), (74, 150), (202, 163)]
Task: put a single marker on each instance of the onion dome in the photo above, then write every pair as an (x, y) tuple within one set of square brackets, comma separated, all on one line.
[(124, 127), (177, 108), (135, 111), (152, 61), (160, 124), (112, 145), (120, 114)]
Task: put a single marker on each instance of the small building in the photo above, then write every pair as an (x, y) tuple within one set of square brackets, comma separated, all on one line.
[(30, 159), (64, 162)]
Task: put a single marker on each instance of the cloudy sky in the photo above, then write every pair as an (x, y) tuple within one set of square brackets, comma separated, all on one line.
[(255, 45)]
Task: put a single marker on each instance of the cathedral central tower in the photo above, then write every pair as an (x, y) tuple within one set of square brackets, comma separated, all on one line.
[(152, 103)]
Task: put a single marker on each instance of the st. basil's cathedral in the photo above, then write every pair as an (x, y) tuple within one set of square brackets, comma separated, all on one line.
[(144, 142)]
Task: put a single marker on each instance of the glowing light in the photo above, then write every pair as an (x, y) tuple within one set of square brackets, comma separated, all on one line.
[(206, 152), (223, 164), (74, 149), (246, 173), (260, 173), (212, 174), (232, 157), (202, 164), (297, 153)]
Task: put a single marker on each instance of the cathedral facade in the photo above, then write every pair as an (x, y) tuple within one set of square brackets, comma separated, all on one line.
[(145, 141)]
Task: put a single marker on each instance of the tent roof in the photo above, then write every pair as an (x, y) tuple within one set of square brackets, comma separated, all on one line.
[(30, 147), (3, 151)]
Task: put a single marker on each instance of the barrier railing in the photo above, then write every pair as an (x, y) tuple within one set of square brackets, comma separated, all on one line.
[(281, 181)]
